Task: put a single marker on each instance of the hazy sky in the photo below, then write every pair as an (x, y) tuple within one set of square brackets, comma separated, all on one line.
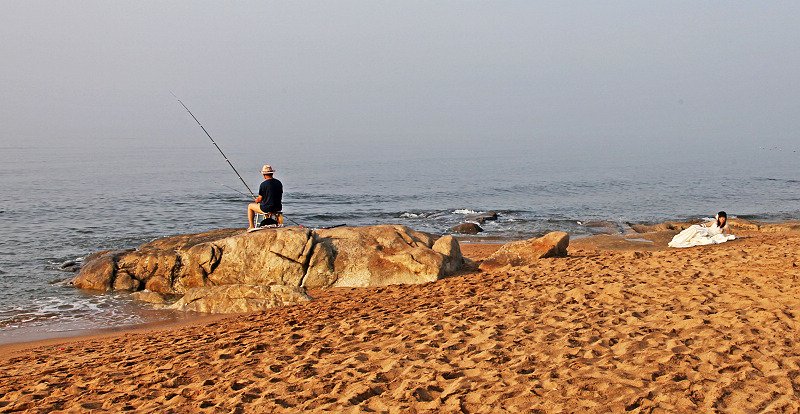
[(400, 73)]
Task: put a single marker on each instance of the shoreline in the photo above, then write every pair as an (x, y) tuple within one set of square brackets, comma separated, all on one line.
[(112, 332), (475, 248), (472, 249)]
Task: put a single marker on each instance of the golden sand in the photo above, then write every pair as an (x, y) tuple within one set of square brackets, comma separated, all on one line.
[(706, 329)]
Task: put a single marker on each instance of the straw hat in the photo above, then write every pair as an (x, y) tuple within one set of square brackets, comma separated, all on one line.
[(267, 170)]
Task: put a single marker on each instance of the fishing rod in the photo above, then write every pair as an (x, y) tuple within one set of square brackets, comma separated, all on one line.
[(295, 223), (334, 226), (224, 156), (215, 144)]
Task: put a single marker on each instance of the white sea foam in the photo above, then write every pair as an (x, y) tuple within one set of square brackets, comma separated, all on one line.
[(94, 311), (464, 211)]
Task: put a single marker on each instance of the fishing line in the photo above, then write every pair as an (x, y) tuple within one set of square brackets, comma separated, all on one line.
[(227, 186)]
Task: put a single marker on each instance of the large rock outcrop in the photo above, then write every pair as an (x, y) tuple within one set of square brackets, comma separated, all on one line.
[(526, 252), (351, 257)]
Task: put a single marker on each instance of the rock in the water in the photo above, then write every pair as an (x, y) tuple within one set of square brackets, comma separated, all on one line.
[(346, 256), (526, 252), (239, 298), (467, 228), (99, 270), (481, 218), (70, 266)]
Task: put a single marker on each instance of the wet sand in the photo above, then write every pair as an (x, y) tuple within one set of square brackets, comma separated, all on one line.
[(618, 326)]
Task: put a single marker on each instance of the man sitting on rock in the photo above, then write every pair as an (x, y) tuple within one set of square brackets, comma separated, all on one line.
[(268, 201)]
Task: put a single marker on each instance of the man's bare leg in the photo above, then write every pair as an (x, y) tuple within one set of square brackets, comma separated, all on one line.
[(252, 209)]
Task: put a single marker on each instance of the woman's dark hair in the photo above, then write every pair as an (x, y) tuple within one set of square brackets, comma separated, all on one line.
[(720, 215)]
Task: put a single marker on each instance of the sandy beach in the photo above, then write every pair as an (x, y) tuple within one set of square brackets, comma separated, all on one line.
[(617, 326)]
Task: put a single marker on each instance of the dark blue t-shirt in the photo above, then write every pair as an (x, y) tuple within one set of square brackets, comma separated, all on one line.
[(271, 192)]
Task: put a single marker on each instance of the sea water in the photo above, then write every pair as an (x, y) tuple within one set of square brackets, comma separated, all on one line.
[(61, 203)]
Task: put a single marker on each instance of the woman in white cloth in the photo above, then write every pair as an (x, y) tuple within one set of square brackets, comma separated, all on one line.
[(712, 232)]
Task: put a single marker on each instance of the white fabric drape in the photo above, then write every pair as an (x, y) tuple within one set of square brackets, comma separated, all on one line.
[(699, 236)]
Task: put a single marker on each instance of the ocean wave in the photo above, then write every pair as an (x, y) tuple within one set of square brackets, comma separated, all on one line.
[(70, 313), (780, 180), (47, 309)]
